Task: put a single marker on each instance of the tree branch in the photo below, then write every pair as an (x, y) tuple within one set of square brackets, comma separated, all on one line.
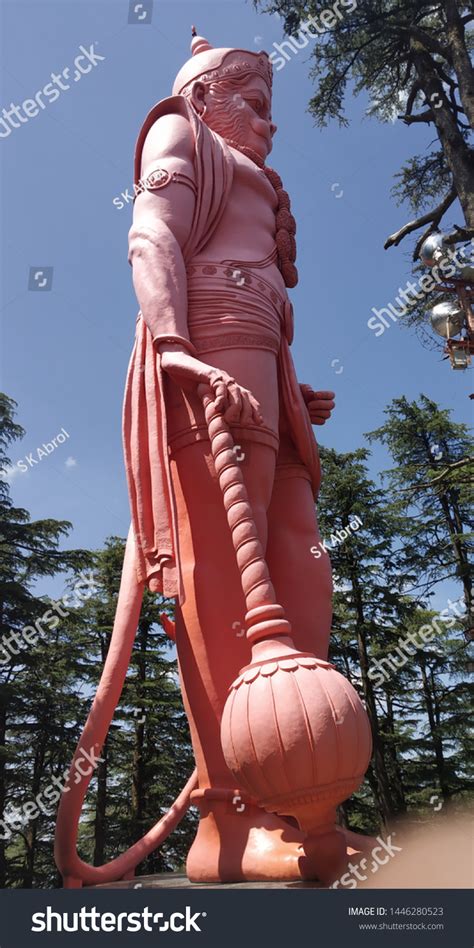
[(432, 217), (444, 75), (453, 86), (412, 97), (439, 477), (429, 42), (409, 119), (459, 234)]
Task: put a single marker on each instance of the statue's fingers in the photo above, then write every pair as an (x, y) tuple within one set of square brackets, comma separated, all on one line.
[(234, 402), (256, 410), (325, 395), (320, 404), (319, 417), (220, 395), (246, 417), (219, 387)]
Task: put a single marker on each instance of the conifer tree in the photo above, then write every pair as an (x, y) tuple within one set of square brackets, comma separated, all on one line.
[(432, 480), (369, 594), (35, 718)]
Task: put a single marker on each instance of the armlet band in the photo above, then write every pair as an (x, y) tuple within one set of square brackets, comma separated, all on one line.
[(160, 177)]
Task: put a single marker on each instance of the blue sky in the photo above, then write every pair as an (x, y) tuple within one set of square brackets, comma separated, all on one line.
[(65, 351)]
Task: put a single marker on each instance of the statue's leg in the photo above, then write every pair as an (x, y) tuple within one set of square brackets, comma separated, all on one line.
[(302, 581), (236, 840)]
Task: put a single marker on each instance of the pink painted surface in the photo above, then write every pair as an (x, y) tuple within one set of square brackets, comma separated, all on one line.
[(223, 471)]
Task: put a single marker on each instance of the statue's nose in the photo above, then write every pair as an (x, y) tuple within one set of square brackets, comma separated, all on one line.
[(273, 128)]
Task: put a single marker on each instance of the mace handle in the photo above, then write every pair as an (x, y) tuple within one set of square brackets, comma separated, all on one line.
[(264, 616)]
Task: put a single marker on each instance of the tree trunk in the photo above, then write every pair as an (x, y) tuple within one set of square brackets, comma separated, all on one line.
[(138, 775), (458, 154), (397, 781), (3, 788), (454, 524), (31, 831), (100, 821), (461, 59), (382, 791), (434, 731)]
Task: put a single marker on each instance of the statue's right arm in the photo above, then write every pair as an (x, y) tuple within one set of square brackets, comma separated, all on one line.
[(162, 222)]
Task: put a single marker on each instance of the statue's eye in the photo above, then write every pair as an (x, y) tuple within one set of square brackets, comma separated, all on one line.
[(256, 105)]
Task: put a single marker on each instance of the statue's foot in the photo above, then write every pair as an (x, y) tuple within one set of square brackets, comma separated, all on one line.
[(244, 845), (238, 841)]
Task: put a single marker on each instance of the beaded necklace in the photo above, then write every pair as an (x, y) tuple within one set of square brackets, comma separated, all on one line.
[(285, 222)]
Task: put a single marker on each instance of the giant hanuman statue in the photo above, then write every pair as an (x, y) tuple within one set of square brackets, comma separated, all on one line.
[(223, 472)]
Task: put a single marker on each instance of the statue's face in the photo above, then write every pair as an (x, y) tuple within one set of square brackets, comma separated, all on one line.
[(239, 111)]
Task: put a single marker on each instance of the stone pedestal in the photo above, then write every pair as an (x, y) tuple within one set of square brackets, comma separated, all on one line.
[(177, 880)]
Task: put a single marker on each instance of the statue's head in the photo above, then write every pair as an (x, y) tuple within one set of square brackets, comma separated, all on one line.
[(231, 89)]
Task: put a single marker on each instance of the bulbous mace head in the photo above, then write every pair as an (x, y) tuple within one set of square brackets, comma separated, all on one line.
[(296, 736)]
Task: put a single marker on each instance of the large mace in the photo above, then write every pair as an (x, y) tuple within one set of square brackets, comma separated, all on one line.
[(294, 732)]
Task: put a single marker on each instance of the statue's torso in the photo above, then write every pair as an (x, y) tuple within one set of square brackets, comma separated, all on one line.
[(246, 231), (236, 296)]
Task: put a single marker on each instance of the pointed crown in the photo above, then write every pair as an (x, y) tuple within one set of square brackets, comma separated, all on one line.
[(210, 64)]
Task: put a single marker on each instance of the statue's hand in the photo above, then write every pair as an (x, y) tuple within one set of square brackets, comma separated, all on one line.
[(236, 403), (319, 404)]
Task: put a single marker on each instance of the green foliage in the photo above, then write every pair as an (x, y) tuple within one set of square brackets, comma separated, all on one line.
[(415, 534), (368, 49), (433, 475), (411, 60), (38, 704), (421, 180)]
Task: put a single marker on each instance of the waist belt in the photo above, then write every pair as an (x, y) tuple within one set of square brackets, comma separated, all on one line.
[(242, 305)]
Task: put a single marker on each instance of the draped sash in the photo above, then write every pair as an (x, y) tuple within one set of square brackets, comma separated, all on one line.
[(145, 441)]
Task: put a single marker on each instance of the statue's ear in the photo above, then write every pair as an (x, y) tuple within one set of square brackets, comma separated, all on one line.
[(198, 96)]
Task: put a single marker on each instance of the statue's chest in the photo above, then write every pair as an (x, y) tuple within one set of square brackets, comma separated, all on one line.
[(252, 197), (250, 178)]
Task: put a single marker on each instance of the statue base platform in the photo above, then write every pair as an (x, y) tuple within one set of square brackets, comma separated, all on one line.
[(177, 880)]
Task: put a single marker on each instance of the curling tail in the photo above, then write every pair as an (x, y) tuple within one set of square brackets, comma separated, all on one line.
[(74, 870)]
